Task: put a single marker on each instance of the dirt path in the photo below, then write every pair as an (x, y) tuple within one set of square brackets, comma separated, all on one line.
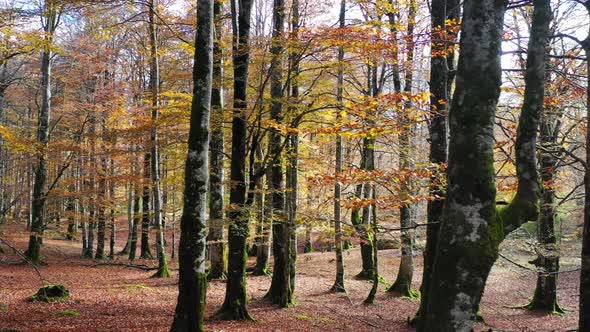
[(113, 298)]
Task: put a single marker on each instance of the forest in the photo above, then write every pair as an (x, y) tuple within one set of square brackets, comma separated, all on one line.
[(295, 165)]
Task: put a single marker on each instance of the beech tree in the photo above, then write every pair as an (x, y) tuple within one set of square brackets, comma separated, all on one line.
[(235, 303), (280, 291), (472, 226), (192, 285), (50, 14), (339, 281), (216, 205)]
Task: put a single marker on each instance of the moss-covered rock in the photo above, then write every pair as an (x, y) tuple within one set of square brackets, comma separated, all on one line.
[(51, 293)]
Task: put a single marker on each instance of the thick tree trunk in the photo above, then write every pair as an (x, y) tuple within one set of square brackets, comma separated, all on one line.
[(33, 252), (438, 129), (472, 228), (192, 285), (279, 292), (218, 247), (234, 305)]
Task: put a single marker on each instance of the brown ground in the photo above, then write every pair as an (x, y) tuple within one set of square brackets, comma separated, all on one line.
[(114, 298)]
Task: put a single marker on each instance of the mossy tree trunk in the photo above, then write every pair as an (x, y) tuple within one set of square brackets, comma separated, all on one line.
[(279, 292), (217, 247), (403, 282), (192, 284), (472, 228), (441, 56), (50, 19), (235, 303)]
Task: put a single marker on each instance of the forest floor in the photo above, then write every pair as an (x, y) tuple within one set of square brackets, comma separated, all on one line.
[(118, 298)]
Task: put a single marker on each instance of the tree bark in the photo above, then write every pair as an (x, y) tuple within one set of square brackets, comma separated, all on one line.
[(50, 21), (403, 281), (136, 212), (279, 292), (154, 87), (438, 129), (102, 193), (146, 253), (218, 247), (584, 308), (339, 280), (472, 228), (192, 285), (545, 296), (235, 303)]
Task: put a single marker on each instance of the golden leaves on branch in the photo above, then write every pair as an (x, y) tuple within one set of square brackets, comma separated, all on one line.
[(394, 182)]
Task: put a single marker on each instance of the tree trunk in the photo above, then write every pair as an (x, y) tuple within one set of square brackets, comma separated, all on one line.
[(71, 209), (154, 87), (339, 280), (403, 282), (234, 305), (293, 168), (265, 220), (102, 194), (125, 250), (279, 292), (472, 228), (136, 213), (292, 177), (216, 206), (146, 253), (192, 285), (584, 308), (438, 129), (371, 297), (112, 216), (50, 20)]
